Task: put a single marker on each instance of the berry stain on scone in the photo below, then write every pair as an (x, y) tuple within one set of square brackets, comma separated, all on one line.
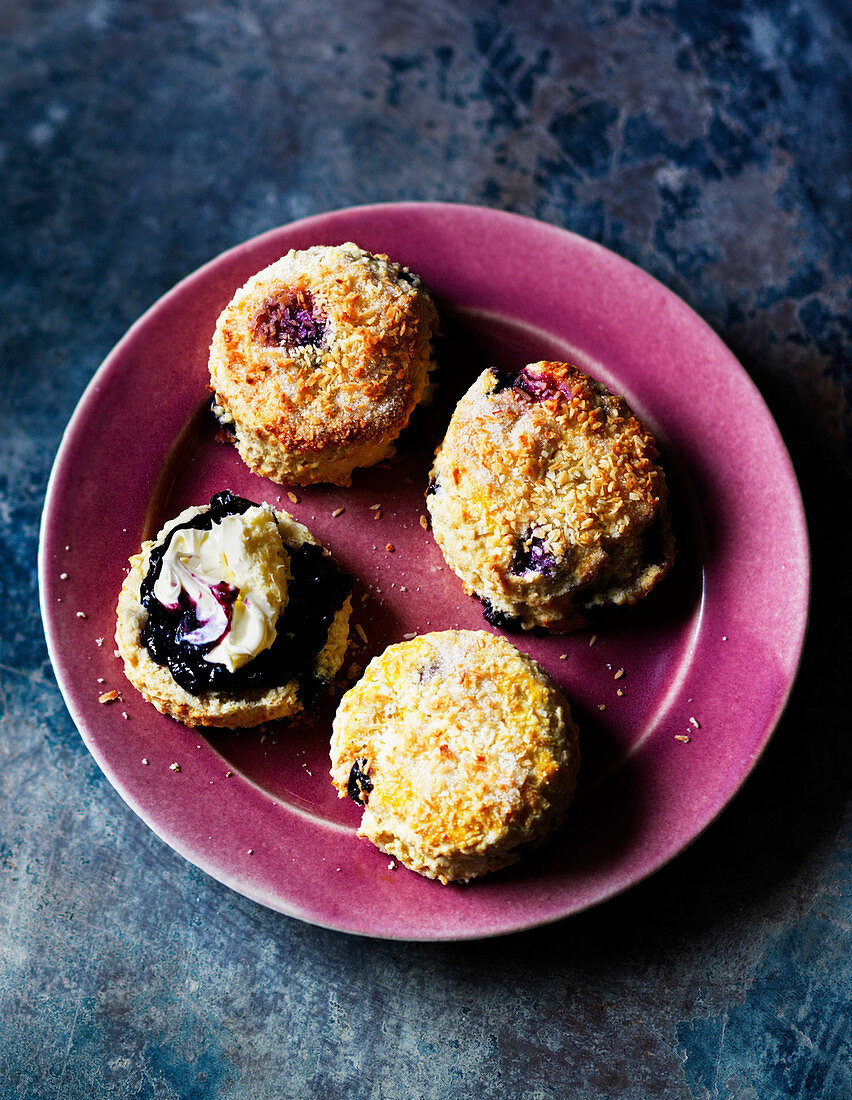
[(461, 750), (319, 360), (232, 616), (547, 499)]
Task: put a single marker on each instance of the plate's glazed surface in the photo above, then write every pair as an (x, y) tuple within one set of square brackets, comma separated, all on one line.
[(710, 656)]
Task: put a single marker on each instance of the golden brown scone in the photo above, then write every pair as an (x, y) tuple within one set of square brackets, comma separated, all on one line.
[(461, 749), (547, 500), (319, 360), (279, 680)]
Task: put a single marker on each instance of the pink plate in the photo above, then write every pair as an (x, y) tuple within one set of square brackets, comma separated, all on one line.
[(711, 656)]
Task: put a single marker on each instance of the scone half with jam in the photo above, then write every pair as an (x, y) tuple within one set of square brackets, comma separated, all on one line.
[(233, 615)]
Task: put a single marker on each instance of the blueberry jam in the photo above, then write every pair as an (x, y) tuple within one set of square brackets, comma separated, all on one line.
[(316, 592), (539, 386), (290, 322), (532, 556), (360, 784)]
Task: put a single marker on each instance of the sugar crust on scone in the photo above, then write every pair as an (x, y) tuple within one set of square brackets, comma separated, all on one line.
[(468, 748), (314, 413), (551, 503), (215, 708)]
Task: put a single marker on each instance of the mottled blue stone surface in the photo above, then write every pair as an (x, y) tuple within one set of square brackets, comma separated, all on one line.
[(709, 143)]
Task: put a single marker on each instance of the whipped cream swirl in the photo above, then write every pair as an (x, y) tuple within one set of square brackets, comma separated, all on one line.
[(235, 577)]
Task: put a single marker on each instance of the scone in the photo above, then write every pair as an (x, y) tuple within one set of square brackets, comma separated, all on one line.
[(547, 499), (232, 616), (319, 360), (461, 750)]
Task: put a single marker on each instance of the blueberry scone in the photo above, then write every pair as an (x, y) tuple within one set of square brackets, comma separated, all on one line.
[(461, 750), (319, 360), (547, 499)]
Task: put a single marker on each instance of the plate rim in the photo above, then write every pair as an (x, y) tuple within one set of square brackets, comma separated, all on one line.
[(636, 874)]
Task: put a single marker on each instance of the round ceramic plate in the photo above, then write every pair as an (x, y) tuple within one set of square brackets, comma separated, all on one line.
[(708, 659)]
